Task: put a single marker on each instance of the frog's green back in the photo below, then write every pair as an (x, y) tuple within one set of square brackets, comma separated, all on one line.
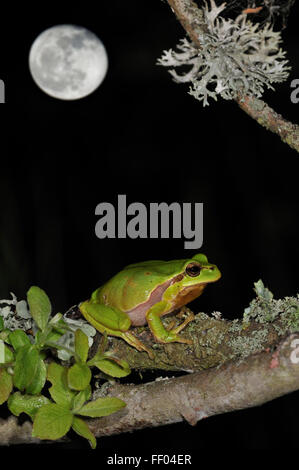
[(134, 284)]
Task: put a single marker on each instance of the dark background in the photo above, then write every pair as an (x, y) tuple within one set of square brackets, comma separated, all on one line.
[(142, 135)]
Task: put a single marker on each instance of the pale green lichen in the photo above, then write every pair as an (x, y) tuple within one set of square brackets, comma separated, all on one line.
[(202, 316), (283, 314), (234, 56), (15, 314), (288, 315), (261, 309), (236, 326), (243, 346), (210, 337), (217, 315)]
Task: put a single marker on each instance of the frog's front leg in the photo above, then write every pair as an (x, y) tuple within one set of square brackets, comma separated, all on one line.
[(113, 322), (161, 334)]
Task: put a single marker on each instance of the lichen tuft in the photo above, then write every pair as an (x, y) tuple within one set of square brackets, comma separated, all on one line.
[(236, 56)]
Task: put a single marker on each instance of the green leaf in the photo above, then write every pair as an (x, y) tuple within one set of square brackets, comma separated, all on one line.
[(40, 337), (59, 391), (4, 335), (19, 403), (6, 355), (110, 367), (81, 428), (18, 338), (59, 324), (27, 359), (52, 421), (9, 355), (39, 379), (81, 398), (101, 407), (79, 376), (81, 345), (1, 323), (40, 306), (53, 336), (2, 352), (6, 385)]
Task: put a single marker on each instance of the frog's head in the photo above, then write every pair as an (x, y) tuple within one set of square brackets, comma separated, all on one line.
[(189, 284), (198, 270)]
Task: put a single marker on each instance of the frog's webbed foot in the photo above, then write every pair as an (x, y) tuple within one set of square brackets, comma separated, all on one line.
[(190, 318), (173, 335), (170, 326), (169, 334), (187, 320), (136, 343)]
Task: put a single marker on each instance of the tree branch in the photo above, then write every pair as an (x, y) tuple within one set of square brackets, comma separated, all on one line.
[(268, 118), (235, 385), (241, 363), (191, 18)]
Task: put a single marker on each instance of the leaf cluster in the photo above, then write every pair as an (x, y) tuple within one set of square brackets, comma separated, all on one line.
[(26, 367)]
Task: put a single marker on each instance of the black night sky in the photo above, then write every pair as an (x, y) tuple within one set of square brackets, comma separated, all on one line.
[(142, 135)]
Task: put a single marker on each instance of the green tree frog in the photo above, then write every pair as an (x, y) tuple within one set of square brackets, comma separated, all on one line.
[(142, 293)]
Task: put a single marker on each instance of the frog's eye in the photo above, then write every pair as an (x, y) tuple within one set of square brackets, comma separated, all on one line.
[(193, 269)]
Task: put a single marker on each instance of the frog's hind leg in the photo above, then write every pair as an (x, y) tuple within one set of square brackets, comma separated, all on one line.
[(112, 322)]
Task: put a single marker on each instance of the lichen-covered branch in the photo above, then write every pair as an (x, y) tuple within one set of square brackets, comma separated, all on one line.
[(235, 385), (239, 364), (190, 16), (228, 54), (215, 340)]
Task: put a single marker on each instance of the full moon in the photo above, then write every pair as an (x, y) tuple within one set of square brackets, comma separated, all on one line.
[(68, 62)]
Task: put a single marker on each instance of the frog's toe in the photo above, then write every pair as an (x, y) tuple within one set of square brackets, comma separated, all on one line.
[(174, 338), (136, 343), (170, 326), (184, 340), (187, 320)]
